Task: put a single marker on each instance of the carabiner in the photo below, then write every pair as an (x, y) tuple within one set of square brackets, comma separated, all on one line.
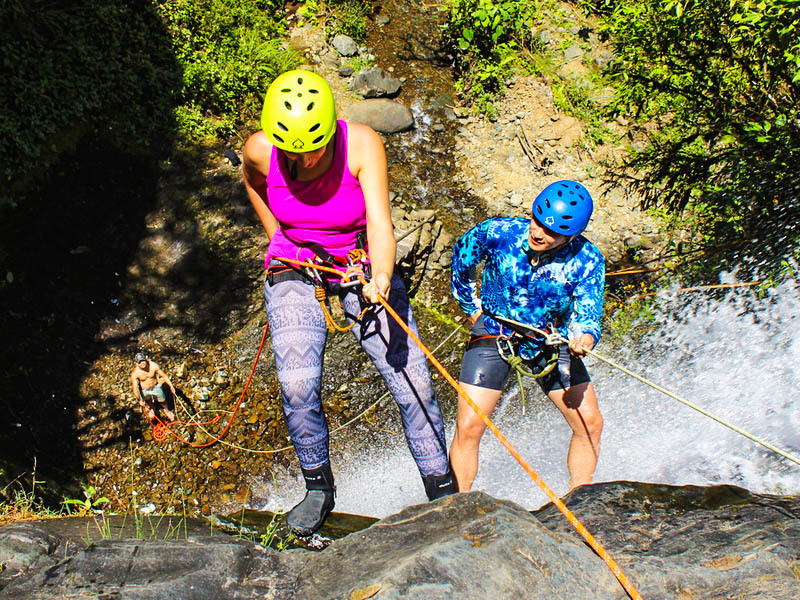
[(505, 347), (352, 270)]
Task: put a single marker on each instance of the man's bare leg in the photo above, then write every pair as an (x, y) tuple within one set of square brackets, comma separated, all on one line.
[(469, 430), (579, 406)]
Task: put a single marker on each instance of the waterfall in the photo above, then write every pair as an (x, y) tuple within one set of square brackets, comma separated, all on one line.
[(734, 356)]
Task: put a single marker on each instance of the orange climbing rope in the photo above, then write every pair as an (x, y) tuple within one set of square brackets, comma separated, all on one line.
[(347, 277), (590, 539), (162, 429)]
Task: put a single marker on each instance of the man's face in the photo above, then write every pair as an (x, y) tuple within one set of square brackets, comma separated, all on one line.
[(142, 364), (542, 239)]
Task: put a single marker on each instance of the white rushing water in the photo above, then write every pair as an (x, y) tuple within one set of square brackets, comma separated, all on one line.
[(736, 358)]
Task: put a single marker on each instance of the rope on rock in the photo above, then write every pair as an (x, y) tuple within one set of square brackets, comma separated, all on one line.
[(674, 396), (166, 428)]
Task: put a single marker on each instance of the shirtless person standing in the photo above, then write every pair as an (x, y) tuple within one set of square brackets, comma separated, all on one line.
[(147, 381)]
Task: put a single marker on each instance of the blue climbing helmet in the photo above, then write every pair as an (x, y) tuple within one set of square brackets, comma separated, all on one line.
[(563, 207)]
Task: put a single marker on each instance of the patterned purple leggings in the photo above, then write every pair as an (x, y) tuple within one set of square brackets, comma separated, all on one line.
[(298, 332)]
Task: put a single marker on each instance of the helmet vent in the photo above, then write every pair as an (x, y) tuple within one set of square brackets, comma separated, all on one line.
[(547, 202), (279, 138), (573, 203), (287, 105), (314, 128), (318, 139), (566, 218), (559, 193), (539, 208), (310, 106), (282, 126), (299, 81), (314, 91)]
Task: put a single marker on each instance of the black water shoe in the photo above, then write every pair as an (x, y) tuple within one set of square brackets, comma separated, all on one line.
[(439, 486), (308, 516)]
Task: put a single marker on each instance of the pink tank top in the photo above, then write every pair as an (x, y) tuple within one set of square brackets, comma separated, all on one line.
[(329, 210)]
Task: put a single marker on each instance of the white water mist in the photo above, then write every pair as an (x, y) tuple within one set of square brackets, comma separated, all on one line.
[(736, 357)]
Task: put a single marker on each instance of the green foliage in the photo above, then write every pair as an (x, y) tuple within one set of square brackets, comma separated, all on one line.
[(17, 502), (90, 502), (350, 18), (576, 97), (70, 70), (628, 321), (719, 80), (310, 9), (485, 37), (359, 63), (230, 51), (125, 72)]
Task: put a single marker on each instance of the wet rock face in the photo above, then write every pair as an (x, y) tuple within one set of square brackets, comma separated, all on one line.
[(692, 542), (672, 542)]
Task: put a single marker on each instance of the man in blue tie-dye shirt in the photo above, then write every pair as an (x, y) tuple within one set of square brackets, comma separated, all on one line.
[(543, 273)]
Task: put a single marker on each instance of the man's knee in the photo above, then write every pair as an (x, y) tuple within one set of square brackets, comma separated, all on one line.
[(592, 424), (469, 429)]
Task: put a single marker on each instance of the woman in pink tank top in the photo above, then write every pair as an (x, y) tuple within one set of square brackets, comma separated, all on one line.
[(318, 185)]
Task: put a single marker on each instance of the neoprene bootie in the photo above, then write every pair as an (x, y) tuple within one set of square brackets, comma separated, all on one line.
[(439, 486), (308, 516)]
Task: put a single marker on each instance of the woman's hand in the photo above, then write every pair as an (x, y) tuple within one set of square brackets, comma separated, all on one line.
[(473, 318), (581, 344), (378, 287)]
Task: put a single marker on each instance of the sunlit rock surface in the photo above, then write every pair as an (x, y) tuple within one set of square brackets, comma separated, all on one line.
[(672, 542)]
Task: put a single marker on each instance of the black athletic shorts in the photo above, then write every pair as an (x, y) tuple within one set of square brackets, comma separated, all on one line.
[(482, 366)]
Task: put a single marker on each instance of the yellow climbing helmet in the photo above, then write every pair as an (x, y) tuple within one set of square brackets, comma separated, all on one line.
[(299, 112)]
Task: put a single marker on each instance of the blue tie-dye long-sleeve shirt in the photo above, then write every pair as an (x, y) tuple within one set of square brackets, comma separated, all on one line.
[(565, 289)]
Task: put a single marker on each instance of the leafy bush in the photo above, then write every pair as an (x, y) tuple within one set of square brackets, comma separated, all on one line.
[(350, 18), (485, 37), (230, 51), (124, 71), (98, 68), (717, 85)]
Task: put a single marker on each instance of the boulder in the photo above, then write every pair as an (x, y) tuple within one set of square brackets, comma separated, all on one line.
[(374, 82), (386, 116), (670, 541), (345, 45)]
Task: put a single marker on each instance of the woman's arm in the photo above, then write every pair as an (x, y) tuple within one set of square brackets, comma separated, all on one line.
[(367, 162), (255, 167)]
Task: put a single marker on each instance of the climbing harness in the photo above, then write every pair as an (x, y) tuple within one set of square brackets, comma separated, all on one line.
[(355, 264), (508, 348)]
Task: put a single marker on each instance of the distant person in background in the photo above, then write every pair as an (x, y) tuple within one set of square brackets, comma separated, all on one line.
[(542, 273), (320, 188), (147, 381)]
